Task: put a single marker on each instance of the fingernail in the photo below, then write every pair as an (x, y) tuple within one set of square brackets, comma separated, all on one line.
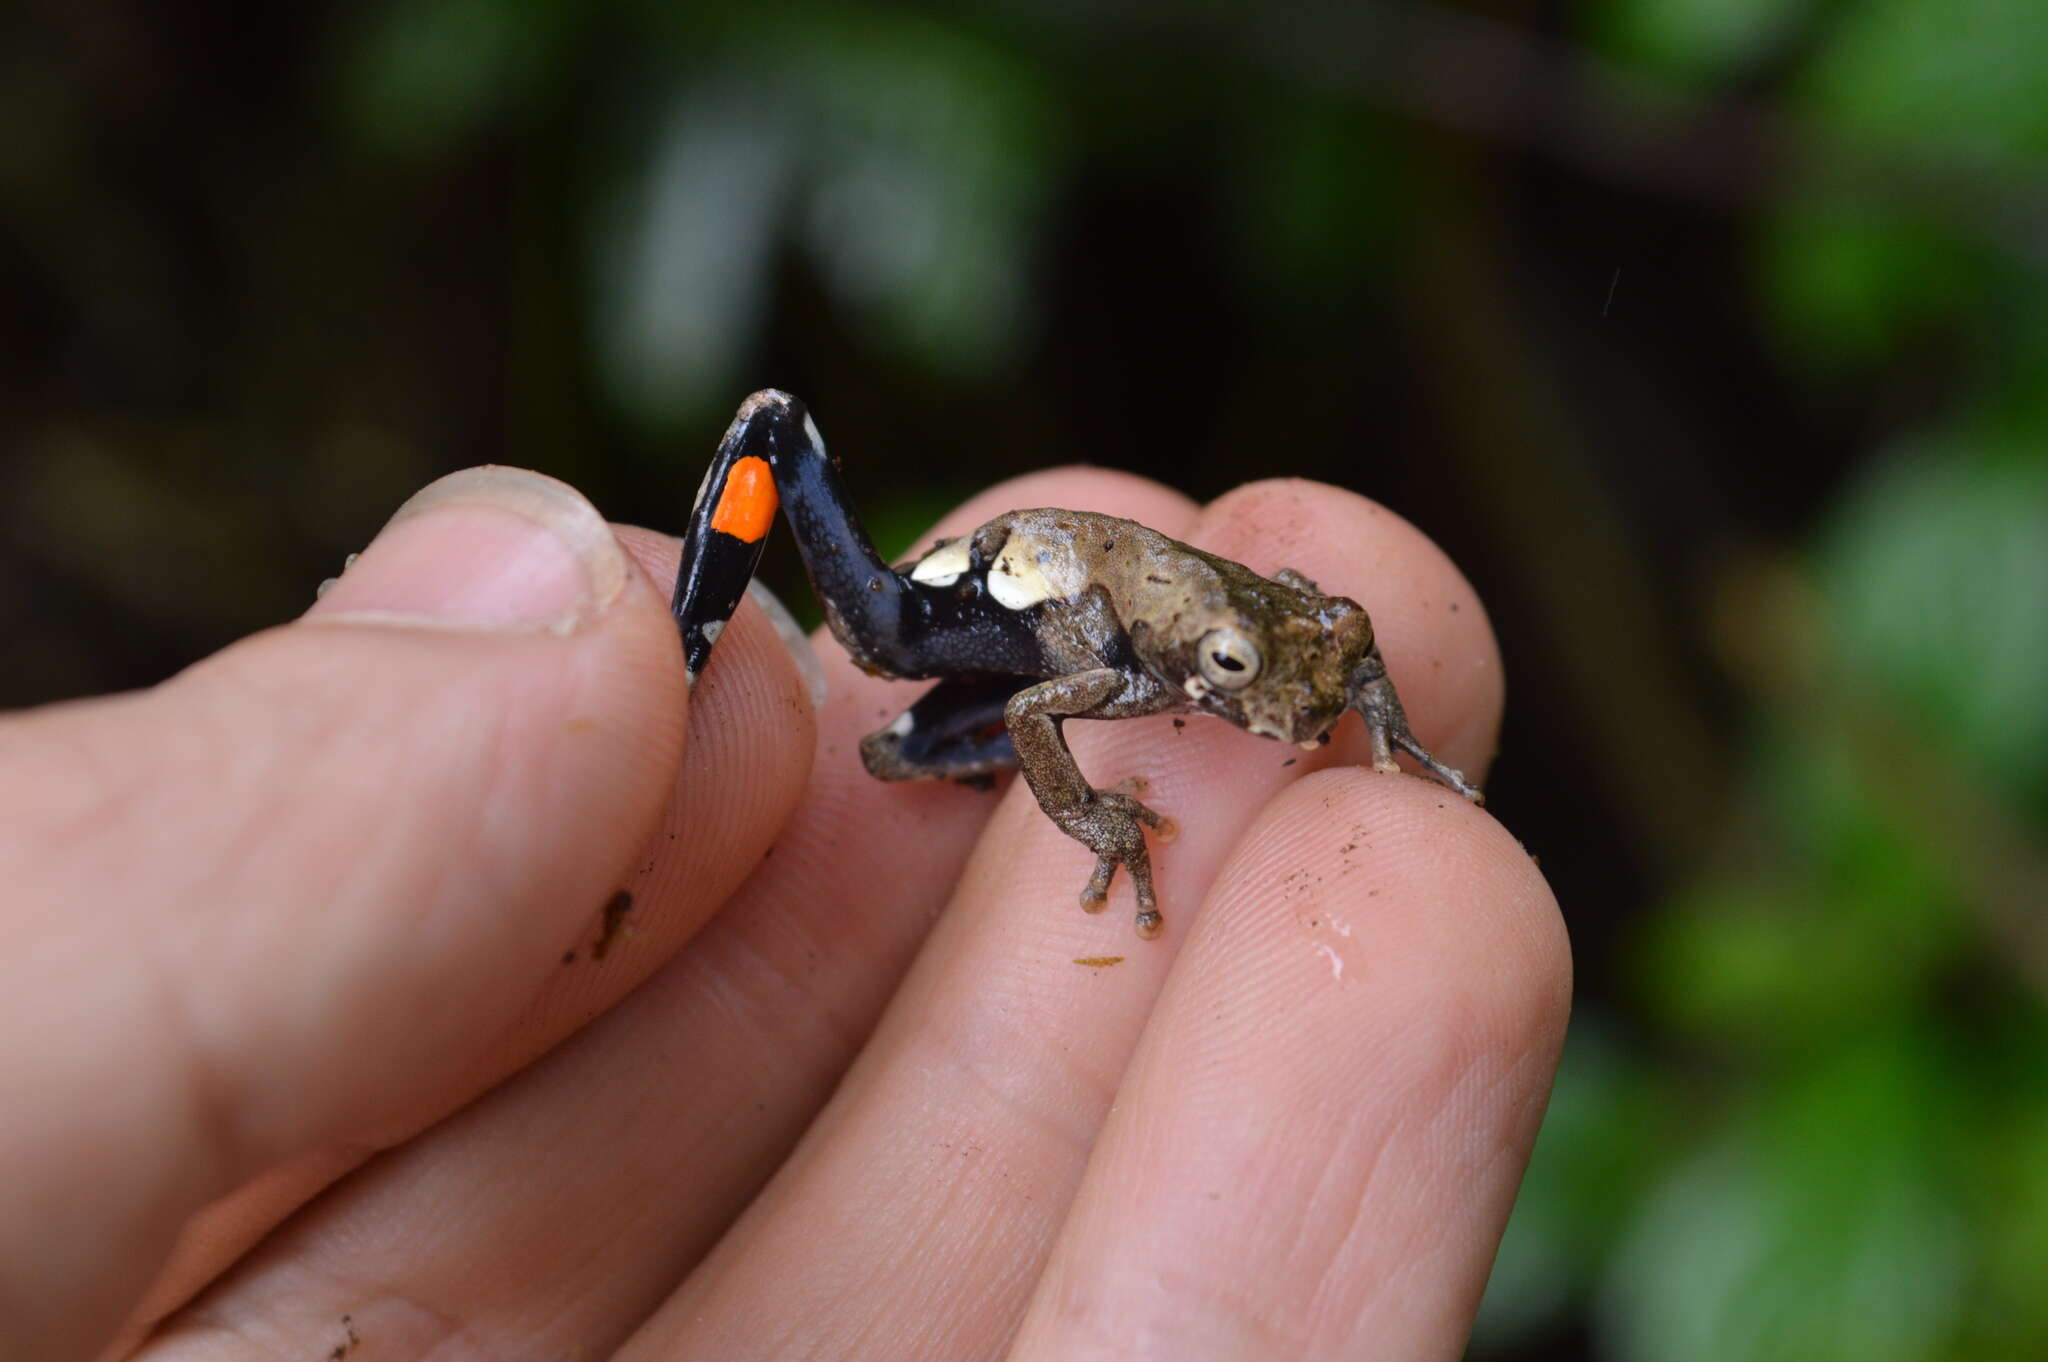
[(493, 549), (794, 639)]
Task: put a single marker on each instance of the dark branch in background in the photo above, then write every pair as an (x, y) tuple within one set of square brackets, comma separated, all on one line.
[(1501, 84), (1641, 713)]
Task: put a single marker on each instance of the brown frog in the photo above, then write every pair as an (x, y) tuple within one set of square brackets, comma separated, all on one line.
[(1037, 617)]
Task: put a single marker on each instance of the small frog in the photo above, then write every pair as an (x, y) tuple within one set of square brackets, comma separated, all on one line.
[(1035, 618)]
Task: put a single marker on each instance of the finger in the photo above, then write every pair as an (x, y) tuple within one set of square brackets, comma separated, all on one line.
[(946, 1159), (660, 1121), (1316, 1145), (747, 746), (309, 885)]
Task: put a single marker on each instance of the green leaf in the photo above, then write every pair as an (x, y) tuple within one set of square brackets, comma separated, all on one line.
[(908, 160), (1937, 574), (1852, 282), (1856, 930), (930, 155), (682, 251), (421, 74), (1968, 75), (1701, 42), (1818, 1230)]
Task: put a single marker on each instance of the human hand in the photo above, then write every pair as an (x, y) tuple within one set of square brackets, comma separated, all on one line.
[(293, 908)]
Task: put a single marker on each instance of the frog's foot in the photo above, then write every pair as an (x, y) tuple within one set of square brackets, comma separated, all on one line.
[(1164, 829), (1112, 826)]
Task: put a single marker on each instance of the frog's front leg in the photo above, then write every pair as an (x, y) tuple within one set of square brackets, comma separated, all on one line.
[(1107, 822), (1386, 724)]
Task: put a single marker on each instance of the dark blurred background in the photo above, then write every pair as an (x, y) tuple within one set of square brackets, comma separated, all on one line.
[(1709, 336)]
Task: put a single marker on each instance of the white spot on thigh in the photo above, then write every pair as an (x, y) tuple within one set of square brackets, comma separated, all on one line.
[(1017, 579), (943, 565)]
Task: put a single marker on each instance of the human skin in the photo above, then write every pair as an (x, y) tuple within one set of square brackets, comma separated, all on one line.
[(295, 1058)]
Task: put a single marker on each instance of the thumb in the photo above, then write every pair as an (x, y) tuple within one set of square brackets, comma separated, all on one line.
[(291, 895)]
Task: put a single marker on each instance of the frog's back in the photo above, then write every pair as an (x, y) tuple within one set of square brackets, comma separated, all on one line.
[(1057, 556)]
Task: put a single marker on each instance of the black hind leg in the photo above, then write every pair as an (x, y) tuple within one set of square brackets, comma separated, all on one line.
[(772, 453), (727, 528), (955, 731), (892, 625)]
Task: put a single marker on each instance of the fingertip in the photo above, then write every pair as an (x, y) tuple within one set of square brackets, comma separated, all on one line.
[(1351, 1057), (488, 548), (1396, 878)]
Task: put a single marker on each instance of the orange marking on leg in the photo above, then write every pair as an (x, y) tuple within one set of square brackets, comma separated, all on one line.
[(746, 508)]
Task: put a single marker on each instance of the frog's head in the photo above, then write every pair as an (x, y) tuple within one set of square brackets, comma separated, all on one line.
[(1282, 671)]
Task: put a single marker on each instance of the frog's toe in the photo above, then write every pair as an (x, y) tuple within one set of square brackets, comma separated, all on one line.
[(1149, 923), (1095, 894)]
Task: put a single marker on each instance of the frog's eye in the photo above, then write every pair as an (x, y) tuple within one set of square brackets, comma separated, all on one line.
[(1229, 659)]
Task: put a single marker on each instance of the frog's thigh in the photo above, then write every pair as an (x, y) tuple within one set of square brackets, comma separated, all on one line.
[(954, 731)]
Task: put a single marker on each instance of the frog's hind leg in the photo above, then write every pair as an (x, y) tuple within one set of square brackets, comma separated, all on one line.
[(955, 731), (772, 453), (727, 528), (892, 624)]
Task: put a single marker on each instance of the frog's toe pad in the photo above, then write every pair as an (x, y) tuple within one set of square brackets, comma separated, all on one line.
[(1095, 894), (1150, 924)]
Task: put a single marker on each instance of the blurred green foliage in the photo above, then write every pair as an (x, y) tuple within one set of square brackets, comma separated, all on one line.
[(1793, 791), (1840, 1014)]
